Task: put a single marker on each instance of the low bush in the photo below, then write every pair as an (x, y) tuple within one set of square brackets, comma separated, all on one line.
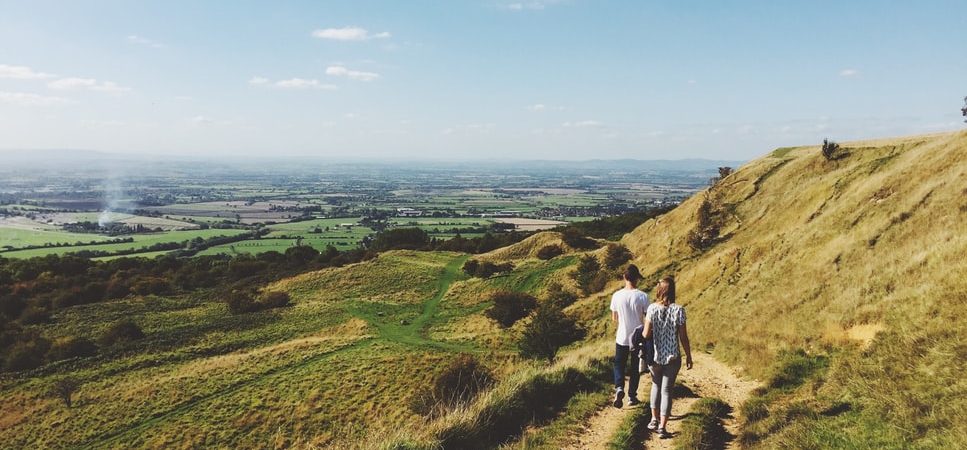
[(557, 295), (549, 330), (585, 273), (123, 331), (506, 415), (274, 299), (485, 269), (549, 251), (26, 354), (616, 255), (509, 307), (573, 238), (71, 347), (458, 384)]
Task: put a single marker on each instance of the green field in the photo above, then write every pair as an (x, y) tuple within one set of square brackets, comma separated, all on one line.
[(20, 237), (140, 240)]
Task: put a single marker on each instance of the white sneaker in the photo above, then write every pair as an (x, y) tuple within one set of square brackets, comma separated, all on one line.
[(653, 425)]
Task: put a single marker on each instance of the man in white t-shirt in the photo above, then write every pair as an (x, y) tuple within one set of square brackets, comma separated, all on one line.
[(628, 308)]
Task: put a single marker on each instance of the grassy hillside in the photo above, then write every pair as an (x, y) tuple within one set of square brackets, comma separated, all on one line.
[(859, 262), (342, 363)]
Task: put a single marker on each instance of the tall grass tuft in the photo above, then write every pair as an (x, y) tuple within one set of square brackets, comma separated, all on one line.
[(702, 429)]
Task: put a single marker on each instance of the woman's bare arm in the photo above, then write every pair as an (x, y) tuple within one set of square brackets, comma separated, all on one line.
[(683, 336)]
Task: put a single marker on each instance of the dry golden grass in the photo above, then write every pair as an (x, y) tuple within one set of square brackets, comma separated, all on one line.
[(834, 256), (527, 248)]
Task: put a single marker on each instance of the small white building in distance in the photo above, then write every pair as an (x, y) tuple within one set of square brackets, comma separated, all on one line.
[(408, 212)]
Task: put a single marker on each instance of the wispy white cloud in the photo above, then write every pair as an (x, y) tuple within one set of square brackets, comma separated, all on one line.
[(22, 73), (348, 34), (302, 83), (88, 84), (583, 124), (28, 99), (533, 5), (341, 71), (292, 83), (849, 72), (139, 40)]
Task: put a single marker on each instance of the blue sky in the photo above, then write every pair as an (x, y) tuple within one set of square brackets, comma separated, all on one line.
[(567, 79)]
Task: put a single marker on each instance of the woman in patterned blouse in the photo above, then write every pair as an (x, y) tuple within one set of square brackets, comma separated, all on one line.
[(665, 322)]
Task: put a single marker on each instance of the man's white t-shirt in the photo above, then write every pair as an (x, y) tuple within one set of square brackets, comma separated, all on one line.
[(631, 305)]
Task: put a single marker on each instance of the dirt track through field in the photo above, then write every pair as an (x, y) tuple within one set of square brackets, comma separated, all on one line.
[(709, 378)]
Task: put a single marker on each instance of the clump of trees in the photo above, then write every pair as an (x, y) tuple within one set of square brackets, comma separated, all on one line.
[(829, 149), (417, 239), (612, 228), (509, 307), (462, 380), (485, 269), (549, 252)]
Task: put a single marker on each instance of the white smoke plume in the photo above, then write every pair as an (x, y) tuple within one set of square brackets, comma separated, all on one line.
[(113, 194)]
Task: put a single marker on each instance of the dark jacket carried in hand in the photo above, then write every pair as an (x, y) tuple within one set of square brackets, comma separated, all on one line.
[(642, 346)]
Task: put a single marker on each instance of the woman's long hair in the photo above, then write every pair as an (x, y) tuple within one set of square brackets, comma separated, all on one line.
[(666, 290)]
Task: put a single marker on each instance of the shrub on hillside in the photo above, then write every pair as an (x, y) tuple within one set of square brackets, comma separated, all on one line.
[(485, 269), (549, 330), (509, 307), (34, 315), (706, 229), (549, 251), (616, 255), (559, 296), (458, 384), (585, 273), (274, 299), (123, 331), (241, 301), (71, 347), (829, 149), (573, 238), (150, 286), (470, 267), (26, 354)]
